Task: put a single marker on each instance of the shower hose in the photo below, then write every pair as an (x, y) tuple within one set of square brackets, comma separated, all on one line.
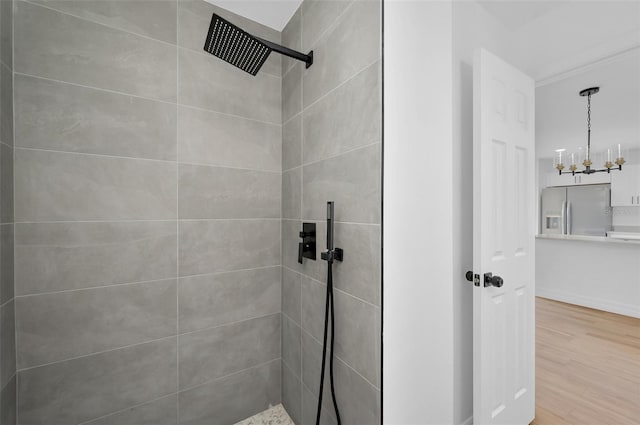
[(328, 307)]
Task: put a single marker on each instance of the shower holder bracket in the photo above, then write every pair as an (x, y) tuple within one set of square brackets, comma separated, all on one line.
[(336, 254)]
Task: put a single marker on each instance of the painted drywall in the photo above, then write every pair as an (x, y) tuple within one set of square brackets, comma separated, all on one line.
[(272, 13), (593, 274), (418, 321), (561, 113)]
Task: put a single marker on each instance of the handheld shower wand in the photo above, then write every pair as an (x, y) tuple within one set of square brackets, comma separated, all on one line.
[(329, 256)]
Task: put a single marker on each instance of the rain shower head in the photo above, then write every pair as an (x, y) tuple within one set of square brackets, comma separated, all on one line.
[(243, 50)]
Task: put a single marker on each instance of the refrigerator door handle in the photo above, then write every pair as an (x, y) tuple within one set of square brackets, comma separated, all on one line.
[(568, 218), (563, 218)]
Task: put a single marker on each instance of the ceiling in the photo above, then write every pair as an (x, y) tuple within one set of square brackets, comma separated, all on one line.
[(272, 13), (561, 112)]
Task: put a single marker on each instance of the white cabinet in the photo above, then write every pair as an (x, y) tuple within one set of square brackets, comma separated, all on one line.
[(555, 179), (625, 187)]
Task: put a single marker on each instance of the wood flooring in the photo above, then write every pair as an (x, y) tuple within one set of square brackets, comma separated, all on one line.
[(587, 366)]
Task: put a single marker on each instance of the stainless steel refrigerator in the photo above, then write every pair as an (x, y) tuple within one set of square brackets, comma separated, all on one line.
[(576, 210)]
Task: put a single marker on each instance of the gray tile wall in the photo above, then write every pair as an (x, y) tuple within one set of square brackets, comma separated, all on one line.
[(331, 147), (147, 218), (7, 227)]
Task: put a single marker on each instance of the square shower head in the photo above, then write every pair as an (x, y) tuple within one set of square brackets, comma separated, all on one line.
[(235, 46)]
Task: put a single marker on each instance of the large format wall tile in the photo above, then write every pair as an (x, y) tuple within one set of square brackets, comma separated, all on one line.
[(351, 180), (62, 186), (210, 246), (216, 299), (231, 399), (360, 274), (6, 104), (6, 33), (318, 16), (291, 193), (64, 117), (291, 354), (58, 46), (6, 183), (219, 192), (217, 352), (349, 117), (313, 302), (59, 256), (309, 410), (194, 17), (292, 394), (152, 18), (59, 326), (8, 347), (6, 262), (209, 83), (292, 92), (358, 400), (357, 335), (292, 143), (86, 388), (8, 401), (357, 328), (292, 38), (346, 49), (206, 137), (291, 286), (163, 411)]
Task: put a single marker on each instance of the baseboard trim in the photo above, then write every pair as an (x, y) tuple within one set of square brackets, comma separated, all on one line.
[(610, 306)]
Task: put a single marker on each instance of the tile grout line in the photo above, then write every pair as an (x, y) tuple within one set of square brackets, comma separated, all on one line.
[(128, 220), (316, 281), (24, 369), (229, 375), (147, 37), (102, 24), (127, 408), (163, 161), (328, 29), (142, 282), (150, 99), (328, 93), (124, 347), (342, 360), (354, 223)]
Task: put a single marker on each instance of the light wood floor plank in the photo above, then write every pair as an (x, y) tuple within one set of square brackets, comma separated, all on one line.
[(587, 366)]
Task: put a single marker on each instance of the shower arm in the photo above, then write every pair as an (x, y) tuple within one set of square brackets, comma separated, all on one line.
[(307, 59)]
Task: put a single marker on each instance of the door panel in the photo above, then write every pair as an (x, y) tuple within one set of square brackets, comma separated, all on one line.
[(504, 231)]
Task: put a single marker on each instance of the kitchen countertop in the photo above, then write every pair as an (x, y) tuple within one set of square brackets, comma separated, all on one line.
[(600, 239)]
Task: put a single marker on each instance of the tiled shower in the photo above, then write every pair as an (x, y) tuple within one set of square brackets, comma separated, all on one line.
[(151, 199)]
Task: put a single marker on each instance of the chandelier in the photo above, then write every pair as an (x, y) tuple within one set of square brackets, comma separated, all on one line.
[(587, 163)]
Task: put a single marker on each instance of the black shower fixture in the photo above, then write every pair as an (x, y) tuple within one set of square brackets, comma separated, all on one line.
[(243, 50)]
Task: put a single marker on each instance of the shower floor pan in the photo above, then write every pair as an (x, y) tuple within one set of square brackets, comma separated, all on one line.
[(273, 416)]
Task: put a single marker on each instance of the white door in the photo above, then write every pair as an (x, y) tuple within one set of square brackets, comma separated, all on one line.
[(503, 243)]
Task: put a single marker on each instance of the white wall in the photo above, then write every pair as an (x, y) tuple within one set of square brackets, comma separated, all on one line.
[(561, 114), (418, 209), (600, 275)]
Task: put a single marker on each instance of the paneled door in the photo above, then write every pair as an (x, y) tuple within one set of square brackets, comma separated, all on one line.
[(504, 226)]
